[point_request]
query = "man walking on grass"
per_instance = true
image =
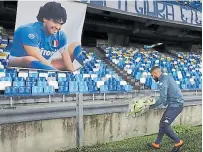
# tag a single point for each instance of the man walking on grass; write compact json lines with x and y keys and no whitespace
{"x":170,"y":95}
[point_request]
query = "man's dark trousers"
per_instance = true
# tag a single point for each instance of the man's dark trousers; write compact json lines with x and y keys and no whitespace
{"x":164,"y":127}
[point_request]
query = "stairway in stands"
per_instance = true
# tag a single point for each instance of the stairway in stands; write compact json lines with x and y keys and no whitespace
{"x":123,"y":74}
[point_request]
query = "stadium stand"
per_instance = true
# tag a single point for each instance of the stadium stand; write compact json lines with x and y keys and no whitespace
{"x":193,"y":4}
{"x":138,"y":62}
{"x":95,"y":76}
{"x":112,"y":77}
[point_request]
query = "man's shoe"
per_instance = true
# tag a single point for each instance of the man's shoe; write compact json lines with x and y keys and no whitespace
{"x":154,"y":145}
{"x":177,"y":146}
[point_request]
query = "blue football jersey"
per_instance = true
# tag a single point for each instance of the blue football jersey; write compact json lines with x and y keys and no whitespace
{"x":33,"y":34}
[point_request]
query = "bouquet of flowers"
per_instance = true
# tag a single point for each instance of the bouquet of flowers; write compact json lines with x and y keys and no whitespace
{"x":138,"y":106}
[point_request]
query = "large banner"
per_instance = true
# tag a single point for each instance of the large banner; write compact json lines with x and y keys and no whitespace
{"x":156,"y":9}
{"x":48,"y":35}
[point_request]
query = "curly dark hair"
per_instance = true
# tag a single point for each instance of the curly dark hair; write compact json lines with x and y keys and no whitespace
{"x":52,"y":10}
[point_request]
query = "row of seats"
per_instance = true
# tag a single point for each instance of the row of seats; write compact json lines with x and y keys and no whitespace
{"x":71,"y":87}
{"x":187,"y":55}
{"x":95,"y":76}
{"x":24,"y":91}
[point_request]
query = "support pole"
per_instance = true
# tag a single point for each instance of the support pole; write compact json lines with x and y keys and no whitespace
{"x":79,"y":121}
{"x":11,"y":101}
{"x":49,"y":98}
{"x":63,"y":98}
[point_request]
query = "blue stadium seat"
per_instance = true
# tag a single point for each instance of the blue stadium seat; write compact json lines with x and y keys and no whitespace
{"x":24,"y":90}
{"x":120,"y":87}
{"x":63,"y":83}
{"x":183,"y":86}
{"x":70,"y":75}
{"x":2,"y":70}
{"x":63,"y":89}
{"x":41,"y":79}
{"x":200,"y":86}
{"x":88,"y":79}
{"x":49,"y":90}
{"x":31,"y":79}
{"x":11,"y":71}
{"x":128,"y":88}
{"x":14,"y":91}
{"x":37,"y":90}
{"x":83,"y":87}
{"x":112,"y":87}
{"x":18,"y":83}
{"x":73,"y":87}
{"x":104,"y":89}
{"x":5,"y":79}
{"x":52,"y":75}
{"x":18,"y":79}
{"x":92,"y":88}
{"x":8,"y":91}
{"x":62,"y":79}
{"x":41,"y":83}
{"x":12,"y":75}
{"x":148,"y":82}
{"x":35,"y":75}
{"x":4,"y":63}
{"x":138,"y":75}
{"x":71,"y":79}
{"x":79,"y":77}
{"x":31,"y":83}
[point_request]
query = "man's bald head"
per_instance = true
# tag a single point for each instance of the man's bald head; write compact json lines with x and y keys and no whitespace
{"x":155,"y":68}
{"x":155,"y":72}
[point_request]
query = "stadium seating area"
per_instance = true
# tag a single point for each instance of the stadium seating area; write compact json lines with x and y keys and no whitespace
{"x":137,"y":63}
{"x":187,"y":55}
{"x":98,"y":77}
{"x":190,"y":3}
{"x":94,"y":77}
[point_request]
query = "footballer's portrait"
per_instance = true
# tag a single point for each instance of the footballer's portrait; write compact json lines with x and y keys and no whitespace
{"x":35,"y":44}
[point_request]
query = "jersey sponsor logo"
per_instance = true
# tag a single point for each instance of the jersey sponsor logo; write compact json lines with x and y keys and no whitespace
{"x":31,"y":36}
{"x":46,"y":52}
{"x":55,"y":43}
